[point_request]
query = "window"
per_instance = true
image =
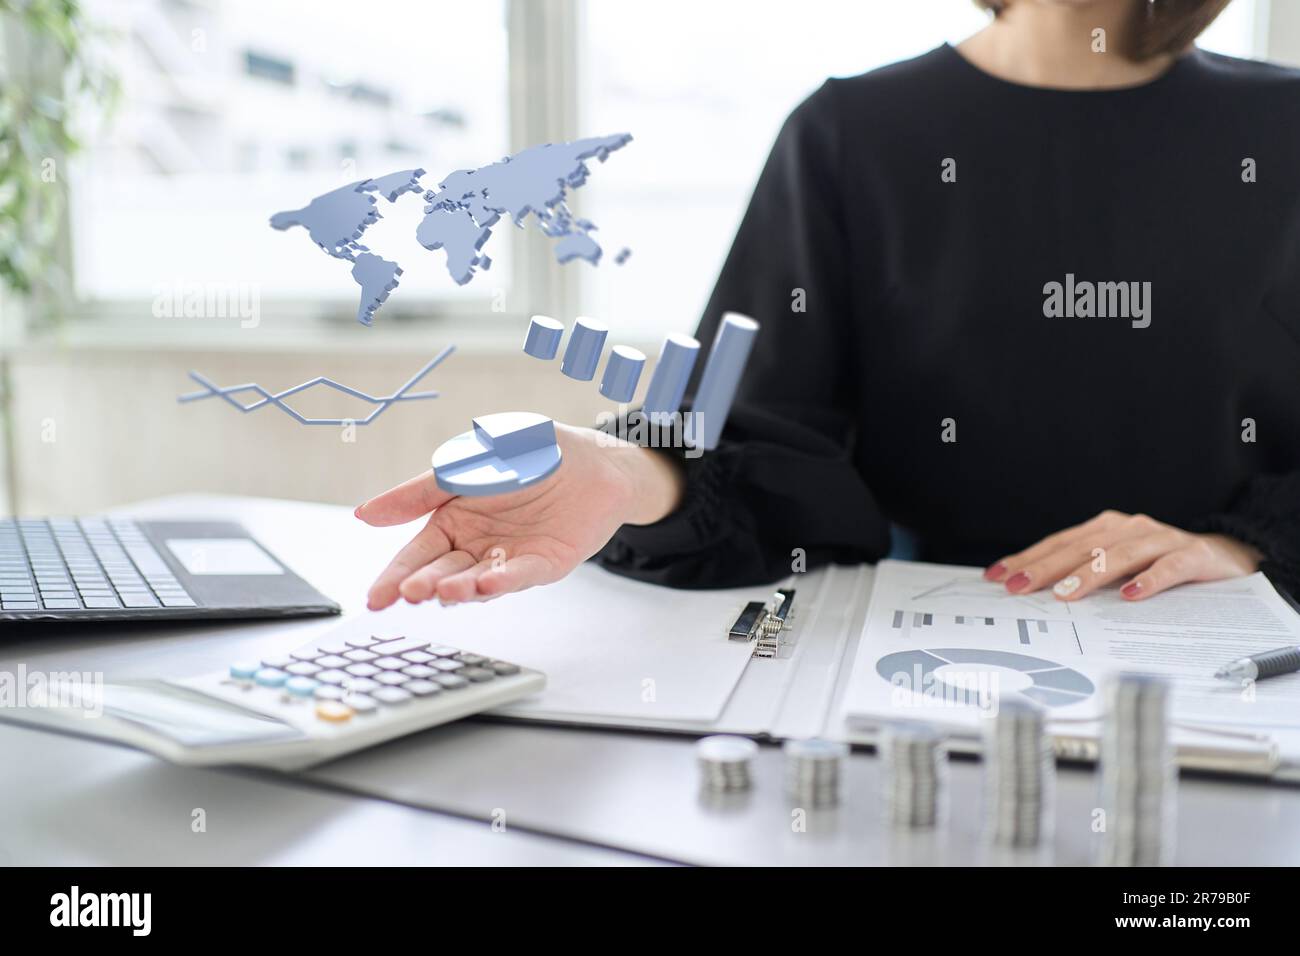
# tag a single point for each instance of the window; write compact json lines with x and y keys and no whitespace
{"x":233,"y":111}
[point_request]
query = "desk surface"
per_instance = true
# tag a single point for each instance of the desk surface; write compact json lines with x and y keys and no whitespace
{"x":569,"y":796}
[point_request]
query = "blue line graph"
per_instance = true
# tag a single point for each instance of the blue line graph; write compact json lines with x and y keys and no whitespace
{"x":403,"y":394}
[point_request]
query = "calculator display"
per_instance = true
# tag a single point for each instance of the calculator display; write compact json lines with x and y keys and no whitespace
{"x":190,"y":718}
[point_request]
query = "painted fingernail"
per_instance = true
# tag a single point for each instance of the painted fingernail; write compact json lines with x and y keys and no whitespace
{"x":1018,"y":581}
{"x":1067,"y":586}
{"x":1131,"y":590}
{"x":995,"y":571}
{"x":356,"y":512}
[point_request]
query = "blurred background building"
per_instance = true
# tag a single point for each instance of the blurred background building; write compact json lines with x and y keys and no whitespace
{"x":229,"y":110}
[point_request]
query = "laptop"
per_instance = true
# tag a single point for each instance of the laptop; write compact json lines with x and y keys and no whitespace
{"x":119,"y":569}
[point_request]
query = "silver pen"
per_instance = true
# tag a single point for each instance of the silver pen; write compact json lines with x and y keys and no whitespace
{"x":1284,"y":660}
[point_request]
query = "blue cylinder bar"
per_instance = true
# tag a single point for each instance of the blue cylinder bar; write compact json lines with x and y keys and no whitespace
{"x":543,"y":339}
{"x":720,"y":380}
{"x":621,"y":373}
{"x":672,"y":372}
{"x":583,"y":352}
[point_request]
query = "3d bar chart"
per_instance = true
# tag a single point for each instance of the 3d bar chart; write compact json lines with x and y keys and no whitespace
{"x":672,"y":372}
{"x":718,"y":382}
{"x":721,"y":378}
{"x":583,"y":352}
{"x":543,"y":339}
{"x":622,"y":373}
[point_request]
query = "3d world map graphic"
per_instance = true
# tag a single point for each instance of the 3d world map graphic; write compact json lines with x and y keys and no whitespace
{"x":460,"y":213}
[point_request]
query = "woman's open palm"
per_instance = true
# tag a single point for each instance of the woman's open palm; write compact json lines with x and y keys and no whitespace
{"x":479,"y":548}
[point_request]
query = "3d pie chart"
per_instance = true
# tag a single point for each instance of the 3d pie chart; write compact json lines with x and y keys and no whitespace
{"x":504,"y":452}
{"x":1041,"y":681}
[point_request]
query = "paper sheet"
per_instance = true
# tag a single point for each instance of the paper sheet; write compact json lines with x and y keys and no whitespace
{"x":941,"y":644}
{"x":609,"y":646}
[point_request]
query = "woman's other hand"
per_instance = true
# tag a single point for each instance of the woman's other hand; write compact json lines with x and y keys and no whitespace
{"x":474,"y":549}
{"x":1148,"y":555}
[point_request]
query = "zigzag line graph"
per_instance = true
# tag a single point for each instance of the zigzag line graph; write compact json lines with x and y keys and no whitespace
{"x":403,"y":394}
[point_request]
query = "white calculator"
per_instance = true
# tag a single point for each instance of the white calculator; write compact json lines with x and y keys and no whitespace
{"x":342,"y":693}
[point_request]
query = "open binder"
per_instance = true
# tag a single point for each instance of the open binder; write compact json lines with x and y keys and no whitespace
{"x":772,"y":663}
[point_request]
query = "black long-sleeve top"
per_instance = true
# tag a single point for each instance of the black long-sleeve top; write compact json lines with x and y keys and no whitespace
{"x":912,"y":368}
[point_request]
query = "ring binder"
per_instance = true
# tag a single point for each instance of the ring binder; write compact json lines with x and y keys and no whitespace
{"x":762,"y":623}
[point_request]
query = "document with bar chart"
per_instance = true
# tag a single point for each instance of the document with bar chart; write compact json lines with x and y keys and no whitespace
{"x":945,"y":646}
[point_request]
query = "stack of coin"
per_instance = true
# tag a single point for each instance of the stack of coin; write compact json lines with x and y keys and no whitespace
{"x":1138,"y":776}
{"x":724,"y":763}
{"x":914,"y":774}
{"x":1019,"y":775}
{"x":812,"y":771}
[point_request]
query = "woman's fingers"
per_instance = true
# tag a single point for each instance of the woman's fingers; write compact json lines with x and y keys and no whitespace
{"x":408,"y":501}
{"x":1192,"y":562}
{"x":1007,"y":567}
{"x":424,"y":583}
{"x":1122,"y":559}
{"x":523,"y":571}
{"x":430,"y":544}
{"x":493,"y":577}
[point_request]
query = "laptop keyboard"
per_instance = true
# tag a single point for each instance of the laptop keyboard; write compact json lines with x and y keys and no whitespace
{"x":68,"y":564}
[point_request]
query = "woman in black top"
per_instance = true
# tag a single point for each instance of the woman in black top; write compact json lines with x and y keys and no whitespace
{"x":1031,"y":302}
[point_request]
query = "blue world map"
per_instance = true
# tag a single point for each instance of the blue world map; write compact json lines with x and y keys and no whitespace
{"x":460,"y":213}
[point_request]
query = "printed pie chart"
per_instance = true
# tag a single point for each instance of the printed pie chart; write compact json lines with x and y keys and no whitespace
{"x":504,"y":452}
{"x":958,"y":669}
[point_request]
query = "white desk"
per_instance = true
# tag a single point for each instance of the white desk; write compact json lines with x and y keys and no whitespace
{"x":566,"y":792}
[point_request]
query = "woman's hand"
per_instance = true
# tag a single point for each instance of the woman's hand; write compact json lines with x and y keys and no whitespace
{"x":474,"y":549}
{"x":1150,"y":555}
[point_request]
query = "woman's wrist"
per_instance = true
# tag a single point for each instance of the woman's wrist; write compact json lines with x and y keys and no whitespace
{"x":656,"y":484}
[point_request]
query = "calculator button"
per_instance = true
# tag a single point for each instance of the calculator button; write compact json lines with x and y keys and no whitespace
{"x":270,"y":677}
{"x":362,"y":670}
{"x":473,"y":660}
{"x":362,"y":685}
{"x":442,"y":651}
{"x":401,"y":645}
{"x":392,"y":695}
{"x":333,"y":711}
{"x":447,"y":666}
{"x":361,"y":703}
{"x":366,"y":641}
{"x":391,"y":678}
{"x":325,"y":692}
{"x":417,"y":657}
{"x":331,"y":660}
{"x":390,"y":663}
{"x":451,"y":681}
{"x":300,"y":686}
{"x":421,"y":688}
{"x":333,"y":647}
{"x":305,"y":654}
{"x":302,"y":669}
{"x":504,"y":669}
{"x":276,"y":661}
{"x":419,"y":671}
{"x":331,"y":676}
{"x":477,"y":674}
{"x":360,"y":656}
{"x":244,"y":670}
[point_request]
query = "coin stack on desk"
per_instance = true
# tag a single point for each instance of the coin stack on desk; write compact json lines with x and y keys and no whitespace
{"x":915,"y":770}
{"x":1138,"y":776}
{"x":1019,"y":776}
{"x":724,"y":763}
{"x":812,"y":771}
